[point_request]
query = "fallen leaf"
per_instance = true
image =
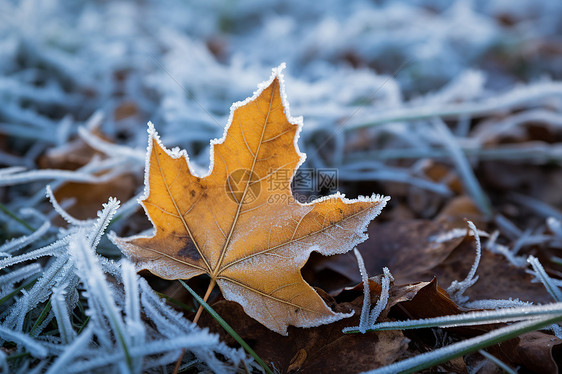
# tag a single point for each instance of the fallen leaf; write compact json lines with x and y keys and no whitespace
{"x":533,"y":351}
{"x":240,"y":224}
{"x":396,"y":244}
{"x":298,"y":360}
{"x":87,"y":197}
{"x":71,"y":155}
{"x":497,"y":277}
{"x":413,"y":300}
{"x":393,"y":244}
{"x":125,"y":110}
{"x":536,"y":350}
{"x":460,"y":209}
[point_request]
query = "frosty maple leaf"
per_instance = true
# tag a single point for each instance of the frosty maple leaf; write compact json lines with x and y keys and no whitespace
{"x":251,"y":238}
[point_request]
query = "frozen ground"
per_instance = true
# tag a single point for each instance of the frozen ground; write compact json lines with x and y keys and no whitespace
{"x":382,"y":86}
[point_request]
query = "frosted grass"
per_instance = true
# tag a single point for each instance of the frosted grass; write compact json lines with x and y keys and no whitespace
{"x":463,"y":167}
{"x":60,"y":310}
{"x":366,"y":307}
{"x":114,"y":338}
{"x":66,"y":71}
{"x":497,"y":362}
{"x":457,"y":288}
{"x":32,"y":346}
{"x":510,"y":314}
{"x":543,"y":277}
{"x":517,"y":97}
{"x":369,"y":316}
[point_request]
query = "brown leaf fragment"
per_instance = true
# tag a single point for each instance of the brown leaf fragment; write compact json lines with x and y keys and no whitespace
{"x":88,"y":197}
{"x":365,"y":352}
{"x":456,"y":365}
{"x":125,"y":110}
{"x":70,"y":156}
{"x":422,"y":300}
{"x":533,"y":352}
{"x":428,"y":300}
{"x":297,"y":361}
{"x":486,"y":366}
{"x":539,"y":352}
{"x":396,"y":244}
{"x":497,"y":277}
{"x":458,"y":211}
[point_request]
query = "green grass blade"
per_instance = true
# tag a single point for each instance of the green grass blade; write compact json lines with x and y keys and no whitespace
{"x":15,"y":356}
{"x":227,"y":328}
{"x":42,"y":316}
{"x":83,"y":325}
{"x":438,"y":356}
{"x":10,"y":214}
{"x":175,"y":302}
{"x":14,"y":292}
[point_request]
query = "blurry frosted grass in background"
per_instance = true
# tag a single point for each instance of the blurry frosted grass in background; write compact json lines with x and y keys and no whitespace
{"x":374,"y":81}
{"x":65,"y":60}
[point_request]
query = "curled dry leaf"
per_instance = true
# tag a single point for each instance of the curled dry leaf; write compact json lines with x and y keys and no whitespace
{"x":497,"y":278}
{"x":395,"y":244}
{"x":533,"y":352}
{"x":240,"y":224}
{"x":87,"y":197}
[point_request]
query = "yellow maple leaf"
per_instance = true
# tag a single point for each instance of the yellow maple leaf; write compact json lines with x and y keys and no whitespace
{"x":248,"y":234}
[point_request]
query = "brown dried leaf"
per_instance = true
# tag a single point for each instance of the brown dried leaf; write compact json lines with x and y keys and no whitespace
{"x":497,"y":278}
{"x":88,"y":197}
{"x":396,"y":244}
{"x":534,"y":351}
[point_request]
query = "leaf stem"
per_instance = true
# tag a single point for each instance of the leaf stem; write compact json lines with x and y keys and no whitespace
{"x":205,"y":298}
{"x":227,"y":328}
{"x":197,"y":316}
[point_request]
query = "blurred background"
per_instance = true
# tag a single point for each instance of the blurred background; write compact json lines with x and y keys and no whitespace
{"x":370,"y":79}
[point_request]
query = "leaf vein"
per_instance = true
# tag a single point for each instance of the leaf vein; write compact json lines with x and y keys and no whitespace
{"x":265,"y":294}
{"x":265,"y":251}
{"x":178,"y":211}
